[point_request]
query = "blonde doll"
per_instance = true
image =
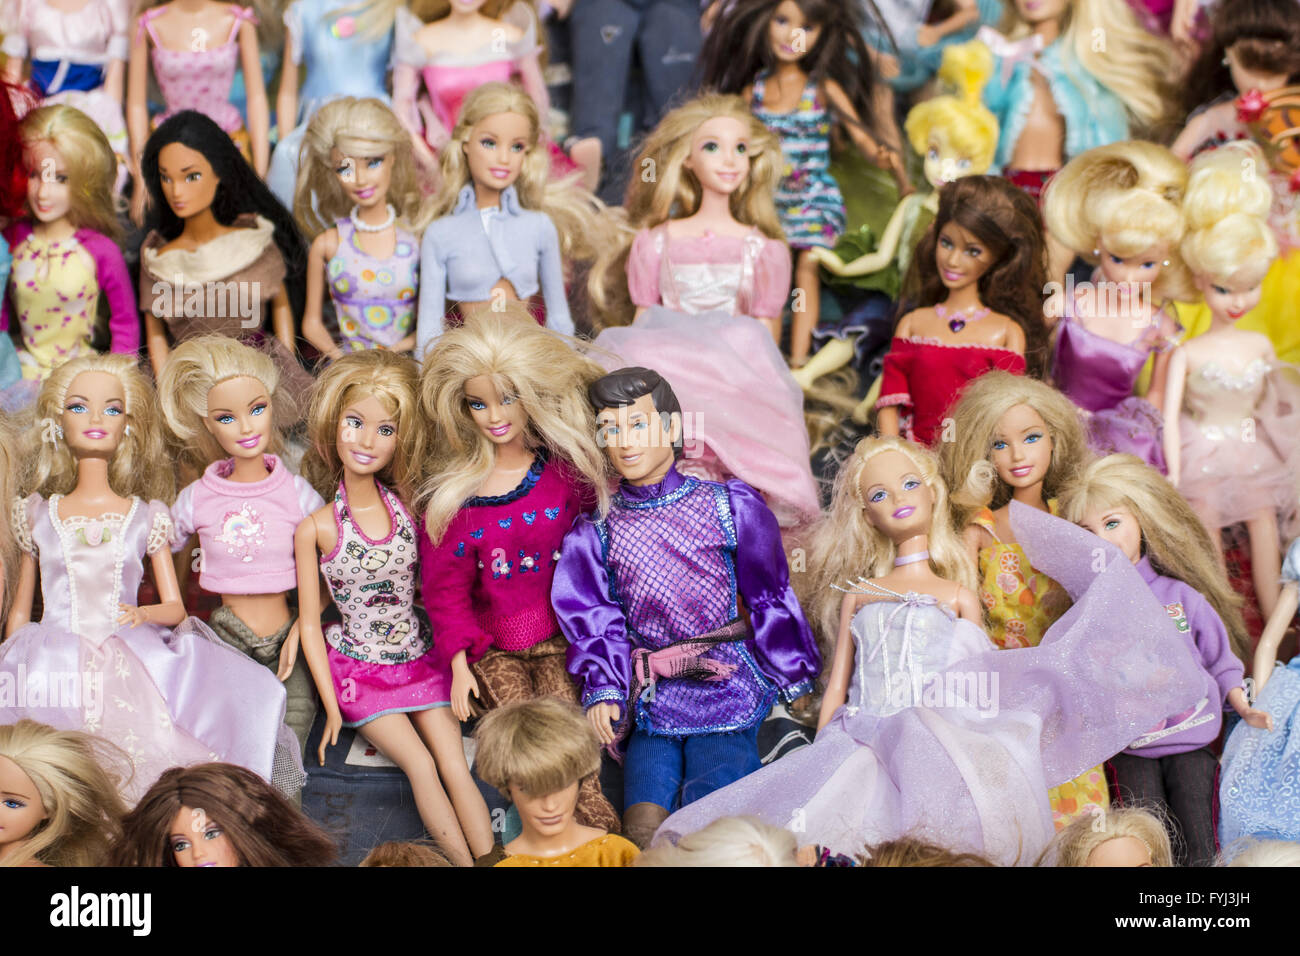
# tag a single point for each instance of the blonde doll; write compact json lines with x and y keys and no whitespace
{"x":378,"y":671}
{"x":61,"y":806}
{"x":1231,"y":406}
{"x":66,"y":255}
{"x":357,"y":196}
{"x":1120,"y":207}
{"x":1130,"y":836}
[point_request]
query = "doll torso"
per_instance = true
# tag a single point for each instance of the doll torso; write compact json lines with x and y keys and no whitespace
{"x":1219,"y":397}
{"x":55,"y":292}
{"x":199,"y":79}
{"x":339,"y":60}
{"x":1021,"y":603}
{"x":706,"y":273}
{"x":69,"y":51}
{"x":1096,"y":372}
{"x":375,"y":298}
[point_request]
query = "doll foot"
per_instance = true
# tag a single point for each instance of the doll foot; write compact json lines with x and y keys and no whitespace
{"x":804,"y":377}
{"x":641,"y":820}
{"x":862,"y":414}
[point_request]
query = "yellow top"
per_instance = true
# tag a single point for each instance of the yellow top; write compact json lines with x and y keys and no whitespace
{"x":607,"y":850}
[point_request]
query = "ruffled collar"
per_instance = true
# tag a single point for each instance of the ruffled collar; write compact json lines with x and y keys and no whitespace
{"x":467,"y":199}
{"x":670,"y":483}
{"x":218,"y":259}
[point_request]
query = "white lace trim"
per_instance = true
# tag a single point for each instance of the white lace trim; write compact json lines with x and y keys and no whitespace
{"x":159,"y":534}
{"x":18,"y":521}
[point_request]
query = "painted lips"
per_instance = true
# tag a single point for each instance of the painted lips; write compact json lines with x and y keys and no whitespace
{"x":1022,"y":470}
{"x":252,"y":442}
{"x":904,"y":512}
{"x":500,"y":430}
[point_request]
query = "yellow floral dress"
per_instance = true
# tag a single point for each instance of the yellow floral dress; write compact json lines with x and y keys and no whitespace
{"x":1021,"y":604}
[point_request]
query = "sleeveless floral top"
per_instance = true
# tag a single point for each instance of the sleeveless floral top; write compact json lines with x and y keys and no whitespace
{"x":1021,"y":603}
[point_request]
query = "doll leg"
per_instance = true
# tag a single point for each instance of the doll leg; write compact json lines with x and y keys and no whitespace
{"x":652,"y":780}
{"x":503,"y":677}
{"x":396,"y":736}
{"x":669,"y":44}
{"x":831,"y":357}
{"x":1189,"y":784}
{"x":807,"y":306}
{"x":441,"y":732}
{"x":715,"y":760}
{"x":602,"y":33}
{"x":1265,"y":560}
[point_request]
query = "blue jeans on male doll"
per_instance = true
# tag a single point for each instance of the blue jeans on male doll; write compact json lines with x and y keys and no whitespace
{"x":675,"y":771}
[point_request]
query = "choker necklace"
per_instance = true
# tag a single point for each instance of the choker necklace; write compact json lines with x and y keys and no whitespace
{"x":958,"y":323}
{"x":911,"y":558}
{"x":366,"y":227}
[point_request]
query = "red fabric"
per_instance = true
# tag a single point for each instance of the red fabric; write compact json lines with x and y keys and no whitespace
{"x":1031,"y":181}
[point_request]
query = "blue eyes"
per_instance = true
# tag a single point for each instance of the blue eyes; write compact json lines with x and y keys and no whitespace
{"x":258,"y":409}
{"x":374,"y":162}
{"x":14,"y":804}
{"x":113,"y":410}
{"x":225,"y":419}
{"x":909,"y":484}
{"x":1116,"y":260}
{"x":77,"y":408}
{"x":1032,"y":438}
{"x":475,"y":404}
{"x":999,"y":444}
{"x":878,"y":496}
{"x":1112,"y":524}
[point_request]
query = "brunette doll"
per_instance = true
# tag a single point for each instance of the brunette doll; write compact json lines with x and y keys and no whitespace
{"x":907,"y":745}
{"x":357,"y":196}
{"x":66,"y":255}
{"x":976,"y":284}
{"x":220,"y":403}
{"x":61,"y":806}
{"x":378,"y":670}
{"x":216,"y":814}
{"x":166,"y":697}
{"x":511,"y":464}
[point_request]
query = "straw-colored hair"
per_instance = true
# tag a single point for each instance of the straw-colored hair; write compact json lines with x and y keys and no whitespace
{"x":1073,"y":845}
{"x":1128,"y":198}
{"x":536,"y":366}
{"x":359,"y":128}
{"x":728,"y":841}
{"x":1256,"y":852}
{"x":404,"y":853}
{"x":74,"y":775}
{"x":965,"y":461}
{"x":541,"y":745}
{"x":1173,"y":537}
{"x":960,"y":121}
{"x":1226,"y":211}
{"x":89,"y":160}
{"x":133,"y":470}
{"x":10,"y":480}
{"x":909,"y":851}
{"x":391,"y":378}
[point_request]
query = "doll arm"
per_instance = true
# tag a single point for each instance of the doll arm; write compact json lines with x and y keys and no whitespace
{"x":837,"y":685}
{"x":322,"y":250}
{"x":1213,"y":646}
{"x":155,"y":334}
{"x":433,"y":293}
{"x":307,"y":559}
{"x":871,"y":262}
{"x":20,"y":611}
{"x":448,"y":572}
{"x":967,"y":13}
{"x":170,"y":609}
{"x":875,"y":151}
{"x":1274,"y":631}
{"x":14,"y":46}
{"x":286,"y":99}
{"x":259,"y":119}
{"x":551,"y":275}
{"x":1173,"y":407}
{"x":406,"y":86}
{"x":786,"y":650}
{"x":115,"y":282}
{"x":282,"y":319}
{"x":119,"y":48}
{"x":534,"y":84}
{"x":895,"y":387}
{"x":137,"y":105}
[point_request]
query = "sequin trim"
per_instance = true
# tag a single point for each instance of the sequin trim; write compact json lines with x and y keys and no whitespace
{"x":525,"y":486}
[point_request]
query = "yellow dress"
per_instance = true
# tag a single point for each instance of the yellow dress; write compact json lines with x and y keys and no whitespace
{"x":1277,"y":315}
{"x":1021,"y":605}
{"x":55,"y":292}
{"x":607,"y":850}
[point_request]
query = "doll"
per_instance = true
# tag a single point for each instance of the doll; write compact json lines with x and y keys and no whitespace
{"x":706,"y":255}
{"x":61,"y":806}
{"x":975,"y":282}
{"x":194,"y":47}
{"x":805,"y":69}
{"x":511,"y":463}
{"x":920,"y":34}
{"x":67,"y":254}
{"x":345,"y":49}
{"x":378,"y":671}
{"x":1264,"y":853}
{"x":1257,"y":796}
{"x":1016,"y":439}
{"x":1231,"y":407}
{"x":1130,"y":836}
{"x":1119,"y":206}
{"x":1124,"y":502}
{"x":166,"y":697}
{"x":537,"y":753}
{"x":658,"y":641}
{"x":908,"y":743}
{"x":956,"y":135}
{"x":217,"y":814}
{"x":358,"y":158}
{"x":220,"y":250}
{"x":728,"y":841}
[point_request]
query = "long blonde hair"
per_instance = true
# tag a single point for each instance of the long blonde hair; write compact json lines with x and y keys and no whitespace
{"x":727,"y":841}
{"x":89,"y":159}
{"x":1173,"y":537}
{"x":536,"y":366}
{"x":10,"y":481}
{"x":662,"y":188}
{"x":356,"y":127}
{"x":391,"y":378}
{"x":1127,"y":197}
{"x":1226,"y":211}
{"x":1076,"y":843}
{"x":959,"y":120}
{"x":74,"y":775}
{"x":134,"y":468}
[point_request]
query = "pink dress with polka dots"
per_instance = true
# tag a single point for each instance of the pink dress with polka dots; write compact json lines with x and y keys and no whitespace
{"x":198,"y":79}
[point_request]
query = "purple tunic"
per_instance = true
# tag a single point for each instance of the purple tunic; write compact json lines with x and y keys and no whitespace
{"x":668,"y":563}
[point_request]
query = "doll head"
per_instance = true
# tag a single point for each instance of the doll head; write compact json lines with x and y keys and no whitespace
{"x":536,"y":753}
{"x":956,"y":134}
{"x":1124,"y":500}
{"x":508,"y":116}
{"x":218,"y":814}
{"x":364,"y":406}
{"x":355,"y":152}
{"x":532,"y":376}
{"x":909,"y":852}
{"x":245,"y":405}
{"x":404,"y":853}
{"x":1127,"y":836}
{"x":118,"y":421}
{"x":1120,"y":206}
{"x":70,"y":170}
{"x":59,"y":803}
{"x":638,"y":423}
{"x":1254,"y":45}
{"x":997,"y":402}
{"x":727,"y":841}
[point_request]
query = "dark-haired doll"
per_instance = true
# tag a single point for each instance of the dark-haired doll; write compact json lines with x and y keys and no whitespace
{"x":975,"y":291}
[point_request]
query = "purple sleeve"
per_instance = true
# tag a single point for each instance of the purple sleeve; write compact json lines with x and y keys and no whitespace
{"x":599,"y":656}
{"x":772,"y":275}
{"x":115,"y":283}
{"x":643,"y":270}
{"x":1213,"y":645}
{"x":787,"y":653}
{"x":447,"y":575}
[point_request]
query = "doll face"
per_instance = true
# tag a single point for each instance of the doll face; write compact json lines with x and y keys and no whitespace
{"x":896,"y":497}
{"x":364,"y":178}
{"x":1246,"y":79}
{"x":1118,"y":526}
{"x":960,"y":257}
{"x":195,"y":839}
{"x":1232,"y":299}
{"x":239,"y":417}
{"x":546,"y":815}
{"x":719,"y":155}
{"x":1132,"y":274}
{"x":94,"y":415}
{"x":21,"y":810}
{"x":943,"y":164}
{"x":367,"y":438}
{"x":791,"y":36}
{"x":188,"y":183}
{"x":1038,"y":11}
{"x":1021,"y":447}
{"x":1121,"y":851}
{"x":499,"y":417}
{"x":636,"y":441}
{"x":496,"y":148}
{"x":49,"y":195}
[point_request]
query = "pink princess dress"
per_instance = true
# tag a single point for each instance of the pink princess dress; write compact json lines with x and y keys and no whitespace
{"x":166,"y":697}
{"x":743,"y":411}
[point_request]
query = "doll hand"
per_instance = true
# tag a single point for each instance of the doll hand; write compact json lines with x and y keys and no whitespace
{"x":463,"y":686}
{"x":330,"y":735}
{"x":1260,"y":719}
{"x":131,"y":615}
{"x":828,"y":260}
{"x":436,"y":137}
{"x":807,"y":855}
{"x":801,"y":709}
{"x":927,"y":35}
{"x":602,"y":717}
{"x":288,"y":654}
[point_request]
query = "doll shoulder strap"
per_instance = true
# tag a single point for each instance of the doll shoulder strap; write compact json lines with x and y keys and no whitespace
{"x":242,"y":15}
{"x":146,"y":24}
{"x":984,"y":519}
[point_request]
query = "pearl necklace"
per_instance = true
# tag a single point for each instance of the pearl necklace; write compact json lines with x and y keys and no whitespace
{"x":366,"y":227}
